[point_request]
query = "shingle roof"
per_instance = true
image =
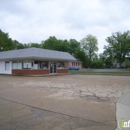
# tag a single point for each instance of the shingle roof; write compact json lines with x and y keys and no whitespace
{"x":35,"y":53}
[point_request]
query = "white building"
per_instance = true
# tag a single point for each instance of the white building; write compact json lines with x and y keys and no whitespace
{"x":35,"y":61}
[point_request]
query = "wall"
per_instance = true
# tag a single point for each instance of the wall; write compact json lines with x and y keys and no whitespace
{"x":37,"y":72}
{"x":2,"y":68}
{"x":61,"y":71}
{"x":30,"y":72}
{"x":69,"y":64}
{"x":78,"y":64}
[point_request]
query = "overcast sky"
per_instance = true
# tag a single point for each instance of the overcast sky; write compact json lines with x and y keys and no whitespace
{"x":36,"y":20}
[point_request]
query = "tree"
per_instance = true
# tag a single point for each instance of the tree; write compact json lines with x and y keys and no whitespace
{"x":6,"y":43}
{"x":107,"y":57}
{"x":81,"y":55}
{"x":127,"y":63}
{"x":73,"y":46}
{"x":98,"y":63}
{"x":37,"y":45}
{"x":18,"y":45}
{"x":119,"y":45}
{"x":63,"y":45}
{"x":50,"y":43}
{"x":53,"y":43}
{"x":90,"y":45}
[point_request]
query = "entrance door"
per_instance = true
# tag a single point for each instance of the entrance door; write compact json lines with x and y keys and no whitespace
{"x":53,"y":67}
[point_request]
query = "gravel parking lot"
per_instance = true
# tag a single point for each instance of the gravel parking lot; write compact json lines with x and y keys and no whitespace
{"x":68,"y":102}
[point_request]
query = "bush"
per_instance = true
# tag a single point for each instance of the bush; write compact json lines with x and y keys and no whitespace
{"x":98,"y":64}
{"x":127,"y":63}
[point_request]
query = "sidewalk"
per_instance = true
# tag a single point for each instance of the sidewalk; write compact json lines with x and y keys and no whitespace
{"x":123,"y":112}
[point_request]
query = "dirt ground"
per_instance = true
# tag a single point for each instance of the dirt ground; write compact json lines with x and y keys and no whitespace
{"x":68,"y":102}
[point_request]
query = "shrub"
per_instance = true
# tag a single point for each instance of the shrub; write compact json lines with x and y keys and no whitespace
{"x":127,"y":63}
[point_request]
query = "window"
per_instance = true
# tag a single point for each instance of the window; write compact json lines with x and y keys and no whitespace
{"x":27,"y":65}
{"x":14,"y":65}
{"x":61,"y":65}
{"x":17,"y":65}
{"x":41,"y":64}
{"x":7,"y":65}
{"x":44,"y":65}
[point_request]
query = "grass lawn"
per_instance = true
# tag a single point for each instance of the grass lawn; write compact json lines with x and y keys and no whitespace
{"x":100,"y":73}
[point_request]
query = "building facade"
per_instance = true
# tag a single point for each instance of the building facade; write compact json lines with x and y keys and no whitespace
{"x":34,"y":61}
{"x":75,"y":63}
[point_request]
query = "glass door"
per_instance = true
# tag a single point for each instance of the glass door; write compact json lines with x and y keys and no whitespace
{"x":53,"y":67}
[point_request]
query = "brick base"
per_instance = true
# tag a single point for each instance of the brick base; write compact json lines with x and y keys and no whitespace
{"x":62,"y":71}
{"x":37,"y":72}
{"x":30,"y":72}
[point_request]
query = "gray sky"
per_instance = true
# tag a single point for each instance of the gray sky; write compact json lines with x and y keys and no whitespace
{"x":36,"y":20}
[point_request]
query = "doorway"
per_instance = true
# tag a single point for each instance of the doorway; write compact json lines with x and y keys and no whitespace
{"x":53,"y":67}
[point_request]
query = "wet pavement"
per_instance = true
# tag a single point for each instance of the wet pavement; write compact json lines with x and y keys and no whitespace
{"x":70,"y":102}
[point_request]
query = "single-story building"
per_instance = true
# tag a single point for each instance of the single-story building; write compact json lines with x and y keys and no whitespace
{"x":35,"y":61}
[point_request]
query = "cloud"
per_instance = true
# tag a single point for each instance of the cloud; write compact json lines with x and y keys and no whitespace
{"x":36,"y":20}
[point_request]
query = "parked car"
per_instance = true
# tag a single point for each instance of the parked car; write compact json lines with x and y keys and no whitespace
{"x":73,"y":68}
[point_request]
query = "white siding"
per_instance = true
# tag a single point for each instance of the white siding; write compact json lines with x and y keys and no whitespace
{"x":2,"y":68}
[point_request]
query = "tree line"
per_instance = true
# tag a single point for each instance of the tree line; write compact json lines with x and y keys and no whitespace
{"x":117,"y":50}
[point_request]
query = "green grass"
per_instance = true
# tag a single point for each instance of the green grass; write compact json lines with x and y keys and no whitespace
{"x":100,"y":73}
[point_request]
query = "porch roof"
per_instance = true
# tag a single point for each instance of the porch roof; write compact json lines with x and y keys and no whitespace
{"x":36,"y":53}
